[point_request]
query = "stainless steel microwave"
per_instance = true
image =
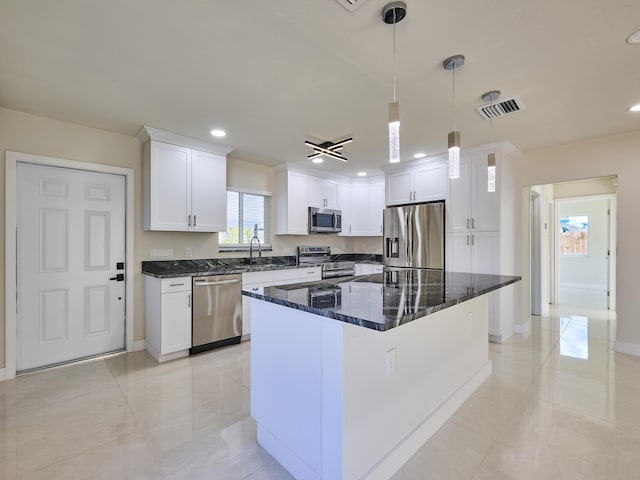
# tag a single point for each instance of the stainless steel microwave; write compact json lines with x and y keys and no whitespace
{"x":324,"y":220}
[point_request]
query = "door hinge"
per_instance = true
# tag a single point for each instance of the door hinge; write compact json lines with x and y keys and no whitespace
{"x":608,"y":293}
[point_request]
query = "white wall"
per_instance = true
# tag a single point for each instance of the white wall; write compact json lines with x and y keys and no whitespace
{"x":616,"y":155}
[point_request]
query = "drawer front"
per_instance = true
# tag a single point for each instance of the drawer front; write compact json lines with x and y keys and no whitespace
{"x":271,"y":277}
{"x":179,"y":284}
{"x":309,"y":273}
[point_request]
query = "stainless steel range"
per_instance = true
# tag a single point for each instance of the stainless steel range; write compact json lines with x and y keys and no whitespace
{"x":322,"y":256}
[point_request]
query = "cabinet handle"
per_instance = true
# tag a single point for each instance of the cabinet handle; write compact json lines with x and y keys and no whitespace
{"x":189,"y":221}
{"x":467,"y":240}
{"x":473,"y":240}
{"x":414,"y":195}
{"x":194,"y":220}
{"x":176,"y":284}
{"x":189,"y":300}
{"x":473,"y":223}
{"x":467,"y":224}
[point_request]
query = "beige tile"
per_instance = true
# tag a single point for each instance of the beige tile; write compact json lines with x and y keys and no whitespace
{"x":128,"y":457}
{"x":27,"y":392}
{"x":454,"y":452}
{"x":57,"y":432}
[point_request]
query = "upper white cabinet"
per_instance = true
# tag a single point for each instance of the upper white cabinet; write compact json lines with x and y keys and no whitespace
{"x":366,"y":204}
{"x":323,"y":193}
{"x":471,"y":206}
{"x":184,"y":183}
{"x":292,"y":213}
{"x":481,"y":228}
{"x":423,"y":182}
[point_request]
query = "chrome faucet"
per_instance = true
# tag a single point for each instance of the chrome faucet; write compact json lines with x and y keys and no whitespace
{"x":255,"y":237}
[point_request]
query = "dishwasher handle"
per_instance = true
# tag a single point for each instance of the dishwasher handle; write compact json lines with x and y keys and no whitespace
{"x":220,"y":282}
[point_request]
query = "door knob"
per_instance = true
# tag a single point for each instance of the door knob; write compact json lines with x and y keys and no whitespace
{"x":118,"y":278}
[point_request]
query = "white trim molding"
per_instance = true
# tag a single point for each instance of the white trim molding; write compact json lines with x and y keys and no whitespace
{"x":628,"y":348}
{"x":11,"y":161}
{"x":147,"y":133}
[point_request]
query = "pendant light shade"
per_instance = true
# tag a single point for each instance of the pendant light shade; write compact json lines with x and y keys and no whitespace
{"x":454,"y":154}
{"x":491,"y":96}
{"x":392,"y":13}
{"x":394,"y":132}
{"x":452,"y":63}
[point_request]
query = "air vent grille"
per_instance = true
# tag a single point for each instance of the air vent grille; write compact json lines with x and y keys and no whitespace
{"x":351,"y":5}
{"x":501,"y":108}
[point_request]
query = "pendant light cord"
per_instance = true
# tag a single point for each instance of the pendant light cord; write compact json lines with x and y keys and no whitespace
{"x":453,"y":99}
{"x":394,"y":55}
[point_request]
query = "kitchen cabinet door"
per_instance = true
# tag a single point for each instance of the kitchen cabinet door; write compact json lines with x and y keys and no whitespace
{"x":459,"y":214}
{"x":399,"y":189}
{"x":377,"y":208}
{"x":175,"y":322}
{"x":292,"y":212}
{"x":430,"y":183}
{"x":323,"y":193}
{"x":360,"y":206}
{"x":208,"y":192}
{"x":168,"y":173}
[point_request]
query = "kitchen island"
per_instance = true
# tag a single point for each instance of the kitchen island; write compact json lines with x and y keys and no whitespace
{"x":349,"y":377}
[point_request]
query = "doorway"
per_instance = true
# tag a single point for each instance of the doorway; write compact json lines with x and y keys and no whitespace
{"x":584,"y":274}
{"x":85,"y":307}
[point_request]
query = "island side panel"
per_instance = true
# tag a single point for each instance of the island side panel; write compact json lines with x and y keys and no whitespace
{"x":440,"y":359}
{"x":296,"y":389}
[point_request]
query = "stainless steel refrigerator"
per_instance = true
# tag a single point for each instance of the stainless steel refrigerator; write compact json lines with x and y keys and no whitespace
{"x":414,"y":236}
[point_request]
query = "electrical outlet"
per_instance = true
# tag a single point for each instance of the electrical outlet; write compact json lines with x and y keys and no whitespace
{"x":161,"y":254}
{"x":390,"y":361}
{"x":188,"y":252}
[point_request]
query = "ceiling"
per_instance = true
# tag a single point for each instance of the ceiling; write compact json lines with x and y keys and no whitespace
{"x":276,"y":73}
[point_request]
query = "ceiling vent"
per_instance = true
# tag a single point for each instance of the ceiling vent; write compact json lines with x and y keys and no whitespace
{"x":351,"y":5}
{"x":501,"y":108}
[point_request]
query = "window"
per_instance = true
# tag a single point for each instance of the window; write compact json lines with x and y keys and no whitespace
{"x":246,"y":211}
{"x":574,"y":235}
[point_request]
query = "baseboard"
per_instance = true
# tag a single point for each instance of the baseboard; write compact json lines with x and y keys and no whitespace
{"x":3,"y":374}
{"x":138,"y":345}
{"x":628,"y":348}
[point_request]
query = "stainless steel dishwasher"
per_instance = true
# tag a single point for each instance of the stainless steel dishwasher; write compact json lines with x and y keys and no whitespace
{"x":217,"y":312}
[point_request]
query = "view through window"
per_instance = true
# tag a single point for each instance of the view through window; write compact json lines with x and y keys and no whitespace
{"x":574,"y":235}
{"x":246,"y":211}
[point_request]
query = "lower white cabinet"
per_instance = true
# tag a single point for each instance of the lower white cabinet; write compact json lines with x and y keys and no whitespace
{"x":167,"y":317}
{"x":368,"y":268}
{"x":256,"y":281}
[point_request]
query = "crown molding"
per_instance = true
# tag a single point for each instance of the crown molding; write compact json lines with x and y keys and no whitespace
{"x":148,"y":133}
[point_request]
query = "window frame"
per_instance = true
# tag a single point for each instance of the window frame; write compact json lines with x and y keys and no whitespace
{"x":267,"y":246}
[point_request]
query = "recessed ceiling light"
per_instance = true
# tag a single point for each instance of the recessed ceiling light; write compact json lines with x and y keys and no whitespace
{"x":318,"y":160}
{"x":635,"y":108}
{"x":216,"y":132}
{"x":419,"y":155}
{"x":634,"y":38}
{"x":362,"y":174}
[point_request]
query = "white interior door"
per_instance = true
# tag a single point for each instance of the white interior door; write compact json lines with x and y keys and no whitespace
{"x":70,"y":237}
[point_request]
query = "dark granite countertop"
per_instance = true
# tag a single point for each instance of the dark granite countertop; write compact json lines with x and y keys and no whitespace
{"x":229,"y":266}
{"x":215,"y":266}
{"x":383,"y":300}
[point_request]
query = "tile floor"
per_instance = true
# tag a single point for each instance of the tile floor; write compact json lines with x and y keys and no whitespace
{"x":559,"y":405}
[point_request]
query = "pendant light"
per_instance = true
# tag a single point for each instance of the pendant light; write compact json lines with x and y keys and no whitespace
{"x":452,"y":63}
{"x":392,"y":13}
{"x":491,"y":96}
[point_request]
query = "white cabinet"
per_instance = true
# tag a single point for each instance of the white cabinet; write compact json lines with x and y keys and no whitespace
{"x":323,"y":193}
{"x":481,"y":228}
{"x":368,"y":268}
{"x":471,"y":206}
{"x":292,"y":213}
{"x":184,"y":188}
{"x":257,"y":281}
{"x":366,"y":204}
{"x":167,"y":317}
{"x":417,"y":184}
